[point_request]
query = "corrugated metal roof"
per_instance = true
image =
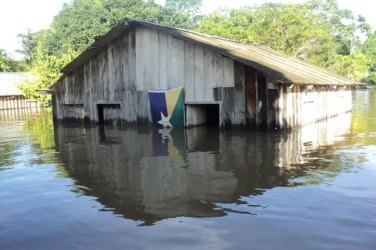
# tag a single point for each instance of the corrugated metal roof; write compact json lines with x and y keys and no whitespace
{"x":9,"y":82}
{"x":282,"y":67}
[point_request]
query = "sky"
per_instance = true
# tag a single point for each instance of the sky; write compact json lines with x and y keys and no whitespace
{"x":17,"y":16}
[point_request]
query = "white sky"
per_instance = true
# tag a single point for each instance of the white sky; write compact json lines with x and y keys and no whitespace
{"x":16,"y":16}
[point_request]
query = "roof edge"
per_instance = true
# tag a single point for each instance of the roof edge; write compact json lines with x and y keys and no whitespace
{"x":97,"y":46}
{"x":128,"y":23}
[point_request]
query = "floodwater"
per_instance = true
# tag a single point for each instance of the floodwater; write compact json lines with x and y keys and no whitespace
{"x":72,"y":187}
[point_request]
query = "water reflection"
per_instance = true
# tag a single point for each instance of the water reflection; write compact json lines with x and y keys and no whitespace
{"x":148,"y":175}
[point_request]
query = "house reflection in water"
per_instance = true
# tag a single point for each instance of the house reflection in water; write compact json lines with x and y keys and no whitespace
{"x":148,"y":175}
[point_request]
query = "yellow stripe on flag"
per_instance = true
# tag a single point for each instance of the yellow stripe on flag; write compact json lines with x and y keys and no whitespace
{"x":171,"y":99}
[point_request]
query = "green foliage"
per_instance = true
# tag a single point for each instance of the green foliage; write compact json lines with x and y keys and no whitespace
{"x":29,"y":45}
{"x":295,"y":30}
{"x":318,"y":31}
{"x":190,"y":6}
{"x":369,"y":49}
{"x":292,"y":29}
{"x":79,"y":24}
{"x":7,"y":64}
{"x":354,"y":66}
{"x":346,"y":27}
{"x":235,"y":24}
{"x":46,"y":68}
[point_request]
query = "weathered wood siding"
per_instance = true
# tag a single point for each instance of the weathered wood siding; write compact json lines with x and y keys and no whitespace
{"x":145,"y":59}
{"x":107,"y":78}
{"x":165,"y":62}
{"x":17,"y":108}
{"x":17,"y":102}
{"x":301,"y":104}
{"x":280,"y":106}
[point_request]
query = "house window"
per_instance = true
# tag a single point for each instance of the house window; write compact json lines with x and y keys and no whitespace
{"x":108,"y":112}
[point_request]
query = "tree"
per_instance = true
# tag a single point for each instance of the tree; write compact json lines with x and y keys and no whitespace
{"x":319,"y":32}
{"x":354,"y":66}
{"x":295,"y":30}
{"x":346,"y":27}
{"x":292,"y":29}
{"x":29,"y":45}
{"x":190,"y":6}
{"x":235,"y":24}
{"x":369,"y":49}
{"x":80,"y":23}
{"x":8,"y":64}
{"x":46,"y":68}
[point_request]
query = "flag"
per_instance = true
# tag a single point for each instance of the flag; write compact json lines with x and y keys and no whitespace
{"x":167,"y":107}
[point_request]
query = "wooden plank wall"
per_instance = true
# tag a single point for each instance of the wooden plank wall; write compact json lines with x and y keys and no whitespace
{"x":145,"y":59}
{"x":166,"y":62}
{"x":17,"y":102}
{"x":302,"y":104}
{"x":280,"y":106}
{"x":73,"y":111}
{"x":107,"y":78}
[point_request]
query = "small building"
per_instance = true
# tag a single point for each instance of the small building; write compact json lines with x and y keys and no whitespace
{"x":224,"y":83}
{"x":11,"y":97}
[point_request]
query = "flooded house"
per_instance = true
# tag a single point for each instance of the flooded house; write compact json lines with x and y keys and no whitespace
{"x":144,"y":73}
{"x":13,"y":103}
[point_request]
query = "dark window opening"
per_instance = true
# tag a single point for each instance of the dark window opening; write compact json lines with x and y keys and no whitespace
{"x":202,"y":114}
{"x":100,"y":114}
{"x":108,"y":113}
{"x":212,"y":115}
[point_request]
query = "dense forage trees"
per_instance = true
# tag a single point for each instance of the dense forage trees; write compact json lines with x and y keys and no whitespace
{"x":318,"y":31}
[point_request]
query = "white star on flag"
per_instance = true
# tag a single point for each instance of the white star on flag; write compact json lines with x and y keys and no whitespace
{"x":165,"y":121}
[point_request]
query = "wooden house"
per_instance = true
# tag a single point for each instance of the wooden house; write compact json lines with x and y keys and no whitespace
{"x":11,"y":97}
{"x":225,"y":83}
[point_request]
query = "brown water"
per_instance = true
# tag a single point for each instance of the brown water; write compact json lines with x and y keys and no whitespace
{"x":71,"y":187}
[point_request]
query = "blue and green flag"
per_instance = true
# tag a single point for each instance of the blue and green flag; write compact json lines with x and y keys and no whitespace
{"x":167,"y":107}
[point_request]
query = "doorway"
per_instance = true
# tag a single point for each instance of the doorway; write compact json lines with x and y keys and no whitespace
{"x":202,"y":114}
{"x":108,"y":113}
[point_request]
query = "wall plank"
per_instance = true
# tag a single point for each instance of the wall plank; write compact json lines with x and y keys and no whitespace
{"x":163,"y":60}
{"x":239,"y":94}
{"x":198,"y":53}
{"x":189,"y":72}
{"x":176,"y":63}
{"x":208,"y":75}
